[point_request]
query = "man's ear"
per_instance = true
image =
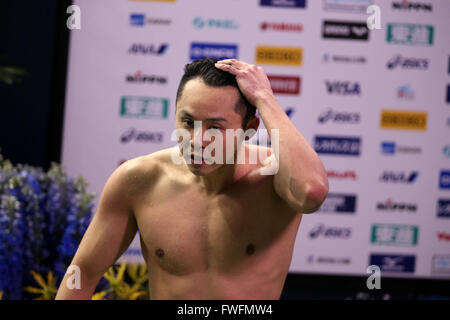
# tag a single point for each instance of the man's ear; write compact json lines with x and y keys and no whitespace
{"x":253,"y":123}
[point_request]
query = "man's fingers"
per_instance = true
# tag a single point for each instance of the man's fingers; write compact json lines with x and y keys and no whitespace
{"x":227,"y":67}
{"x":234,"y":62}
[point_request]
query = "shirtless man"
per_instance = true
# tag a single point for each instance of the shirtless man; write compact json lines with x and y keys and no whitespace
{"x":208,"y":231}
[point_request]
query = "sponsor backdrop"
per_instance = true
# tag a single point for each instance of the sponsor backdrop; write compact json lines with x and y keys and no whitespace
{"x":375,"y":105}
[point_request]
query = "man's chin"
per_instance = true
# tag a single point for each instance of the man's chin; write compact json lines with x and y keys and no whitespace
{"x":202,"y":169}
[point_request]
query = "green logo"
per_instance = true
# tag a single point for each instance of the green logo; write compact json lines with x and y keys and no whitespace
{"x":143,"y":107}
{"x":395,"y":234}
{"x":407,"y":33}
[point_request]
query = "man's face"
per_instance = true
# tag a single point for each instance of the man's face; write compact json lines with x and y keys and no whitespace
{"x":215,"y":107}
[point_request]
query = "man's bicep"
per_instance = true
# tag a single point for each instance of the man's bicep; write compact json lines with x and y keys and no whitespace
{"x":111,"y":230}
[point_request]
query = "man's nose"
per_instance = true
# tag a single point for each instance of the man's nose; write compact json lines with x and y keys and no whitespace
{"x":197,"y":139}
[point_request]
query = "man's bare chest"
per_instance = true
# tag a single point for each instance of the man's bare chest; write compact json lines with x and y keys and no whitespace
{"x":183,"y":230}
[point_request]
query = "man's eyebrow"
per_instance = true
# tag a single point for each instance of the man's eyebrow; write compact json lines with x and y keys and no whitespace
{"x":187,"y":114}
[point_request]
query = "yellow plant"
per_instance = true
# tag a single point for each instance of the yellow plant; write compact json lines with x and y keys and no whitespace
{"x":47,"y":290}
{"x":99,"y":295}
{"x":1,"y":295}
{"x":121,"y":289}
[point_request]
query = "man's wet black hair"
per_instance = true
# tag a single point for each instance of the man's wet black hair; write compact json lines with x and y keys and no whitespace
{"x":211,"y":76}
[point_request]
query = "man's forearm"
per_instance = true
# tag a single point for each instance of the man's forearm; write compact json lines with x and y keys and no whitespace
{"x":69,"y":291}
{"x":301,"y":178}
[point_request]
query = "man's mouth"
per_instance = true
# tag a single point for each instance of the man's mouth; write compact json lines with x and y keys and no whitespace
{"x":198,"y":159}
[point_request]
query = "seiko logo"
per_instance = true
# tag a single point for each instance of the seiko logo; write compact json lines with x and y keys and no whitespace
{"x":389,"y":205}
{"x":141,"y":136}
{"x":344,"y":88}
{"x":407,"y":63}
{"x":330,"y":232}
{"x":399,"y":177}
{"x":345,"y":30}
{"x":339,"y":117}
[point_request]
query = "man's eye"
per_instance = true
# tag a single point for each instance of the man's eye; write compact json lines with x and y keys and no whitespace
{"x":214,"y":128}
{"x":188,"y":122}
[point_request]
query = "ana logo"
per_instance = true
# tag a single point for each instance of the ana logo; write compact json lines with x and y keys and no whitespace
{"x":407,"y":63}
{"x":443,"y":236}
{"x":359,"y":6}
{"x":394,"y":262}
{"x":395,"y":234}
{"x":144,"y":49}
{"x":332,"y":145}
{"x":348,"y":174}
{"x":225,"y":24}
{"x":213,"y":50}
{"x":285,"y":84}
{"x":444,"y":179}
{"x":339,"y":117}
{"x":440,"y":263}
{"x":412,"y":34}
{"x":345,"y":30}
{"x":343,"y":59}
{"x":143,"y":107}
{"x":443,"y":208}
{"x":403,"y":120}
{"x":141,"y":136}
{"x":330,"y":232}
{"x":339,"y":203}
{"x":412,"y":6}
{"x":281,"y":26}
{"x":399,"y":177}
{"x":343,"y":88}
{"x":285,"y":56}
{"x":405,"y":92}
{"x":389,"y":205}
{"x":284,"y":3}
{"x":139,"y":77}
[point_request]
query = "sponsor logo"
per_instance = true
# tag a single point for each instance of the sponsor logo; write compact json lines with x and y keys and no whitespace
{"x":336,"y":58}
{"x":154,"y":0}
{"x":391,"y":148}
{"x":328,"y":260}
{"x":405,"y":92}
{"x":448,"y":93}
{"x":407,"y":63}
{"x":443,"y":236}
{"x":389,"y":205}
{"x":412,"y":34}
{"x":394,"y":262}
{"x":285,"y":84}
{"x":132,"y":134}
{"x":151,"y":49}
{"x":321,"y":230}
{"x":281,"y":26}
{"x":394,"y":234}
{"x":143,"y":107}
{"x":404,"y":120}
{"x":332,"y":145}
{"x":446,"y":150}
{"x":339,"y":117}
{"x":399,"y":177}
{"x":224,"y":24}
{"x":140,"y":20}
{"x":443,"y":208}
{"x":213,"y":50}
{"x":339,"y":203}
{"x":348,"y":174}
{"x":412,"y":6}
{"x":440,"y":263}
{"x":345,"y":30}
{"x":358,"y":6}
{"x":289,"y":56}
{"x":139,"y":77}
{"x":444,"y":179}
{"x":343,"y":88}
{"x":284,"y":3}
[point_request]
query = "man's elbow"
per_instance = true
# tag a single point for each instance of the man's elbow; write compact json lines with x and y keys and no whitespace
{"x":316,"y":194}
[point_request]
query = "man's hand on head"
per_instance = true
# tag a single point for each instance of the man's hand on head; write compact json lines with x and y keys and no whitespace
{"x":251,"y":79}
